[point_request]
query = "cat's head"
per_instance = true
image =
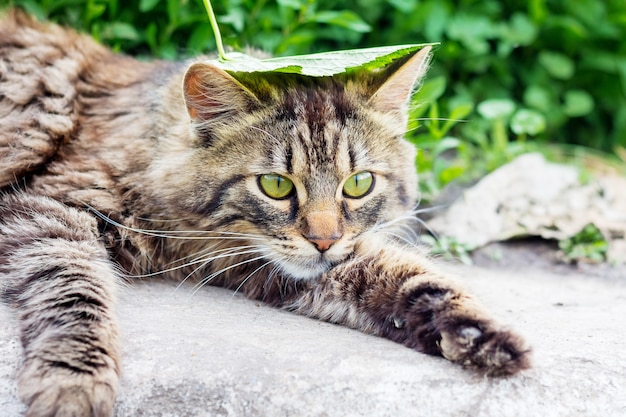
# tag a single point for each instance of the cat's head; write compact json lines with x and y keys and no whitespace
{"x":308,"y":165}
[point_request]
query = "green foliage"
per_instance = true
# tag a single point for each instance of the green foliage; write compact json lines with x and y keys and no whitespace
{"x":448,"y":248}
{"x":507,"y":77}
{"x":587,"y":245}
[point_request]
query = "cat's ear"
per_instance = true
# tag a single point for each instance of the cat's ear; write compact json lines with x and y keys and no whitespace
{"x":211,"y":94}
{"x":394,"y":94}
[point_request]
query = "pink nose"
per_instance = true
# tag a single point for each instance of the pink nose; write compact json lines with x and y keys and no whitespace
{"x":322,"y":245}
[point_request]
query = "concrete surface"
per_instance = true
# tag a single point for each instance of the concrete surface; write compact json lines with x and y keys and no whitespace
{"x":215,"y":354}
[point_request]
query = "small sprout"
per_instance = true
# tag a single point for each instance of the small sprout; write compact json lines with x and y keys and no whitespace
{"x":449,"y":248}
{"x":587,"y":245}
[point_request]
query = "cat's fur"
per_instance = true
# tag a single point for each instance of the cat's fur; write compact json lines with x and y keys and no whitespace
{"x":110,"y":166}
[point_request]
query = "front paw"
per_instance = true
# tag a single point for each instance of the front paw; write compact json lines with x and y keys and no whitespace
{"x":62,"y":392}
{"x":483,"y":347}
{"x":441,"y":319}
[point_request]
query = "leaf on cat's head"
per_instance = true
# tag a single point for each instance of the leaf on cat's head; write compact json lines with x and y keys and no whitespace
{"x":322,"y":64}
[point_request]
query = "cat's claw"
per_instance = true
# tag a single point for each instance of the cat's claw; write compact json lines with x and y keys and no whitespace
{"x":492,"y":351}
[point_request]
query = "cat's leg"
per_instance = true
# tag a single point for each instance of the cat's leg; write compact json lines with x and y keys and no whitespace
{"x":397,"y":293}
{"x":57,"y":275}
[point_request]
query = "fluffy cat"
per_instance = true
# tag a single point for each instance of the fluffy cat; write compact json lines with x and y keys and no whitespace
{"x":292,"y":190}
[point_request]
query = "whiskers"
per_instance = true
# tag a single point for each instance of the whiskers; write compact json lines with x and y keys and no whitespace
{"x":406,"y":228}
{"x":215,"y":251}
{"x":207,"y":280}
{"x":179,"y":234}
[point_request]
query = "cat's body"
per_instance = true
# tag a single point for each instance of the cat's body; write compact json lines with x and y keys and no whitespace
{"x":292,"y":191}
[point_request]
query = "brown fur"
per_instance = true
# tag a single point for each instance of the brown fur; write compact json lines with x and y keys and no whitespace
{"x":111,"y":166}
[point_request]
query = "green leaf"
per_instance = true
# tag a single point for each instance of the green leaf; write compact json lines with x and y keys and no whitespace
{"x":345,"y":18}
{"x":457,"y":115}
{"x":496,"y":108}
{"x":236,"y":17}
{"x":588,"y":245}
{"x":578,"y":103}
{"x":150,"y":36}
{"x":201,"y":39}
{"x":473,"y":31}
{"x":461,"y":111}
{"x":528,"y":122}
{"x":451,"y":173}
{"x":521,"y":30}
{"x":405,"y":6}
{"x":167,"y":51}
{"x":173,"y":8}
{"x":147,"y":5}
{"x":558,"y":65}
{"x":292,"y":4}
{"x":94,"y":11}
{"x":445,"y":144}
{"x":538,"y":97}
{"x":120,"y":30}
{"x":322,"y":64}
{"x":431,"y":90}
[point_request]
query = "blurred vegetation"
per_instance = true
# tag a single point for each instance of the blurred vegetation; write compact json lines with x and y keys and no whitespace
{"x":506,"y":71}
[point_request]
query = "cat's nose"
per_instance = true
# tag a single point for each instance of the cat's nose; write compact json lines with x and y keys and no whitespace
{"x":323,"y":245}
{"x":322,"y":228}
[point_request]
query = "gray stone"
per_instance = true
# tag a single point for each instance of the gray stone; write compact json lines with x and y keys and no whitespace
{"x":533,"y":197}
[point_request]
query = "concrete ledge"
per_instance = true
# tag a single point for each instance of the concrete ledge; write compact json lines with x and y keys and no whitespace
{"x":215,"y":354}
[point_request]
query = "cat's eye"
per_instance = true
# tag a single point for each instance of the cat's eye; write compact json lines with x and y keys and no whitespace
{"x":359,"y":185}
{"x":276,"y":186}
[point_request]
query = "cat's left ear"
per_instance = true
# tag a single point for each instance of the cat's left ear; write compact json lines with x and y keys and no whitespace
{"x":212,"y":95}
{"x":394,"y":94}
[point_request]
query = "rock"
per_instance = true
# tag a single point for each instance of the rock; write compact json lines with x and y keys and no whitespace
{"x":533,"y":197}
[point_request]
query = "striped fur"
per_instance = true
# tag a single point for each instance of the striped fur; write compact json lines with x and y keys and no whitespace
{"x":110,"y":166}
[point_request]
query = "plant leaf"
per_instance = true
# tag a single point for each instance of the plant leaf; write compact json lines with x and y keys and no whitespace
{"x":120,"y":30}
{"x":322,"y":64}
{"x":558,"y":65}
{"x":147,"y":5}
{"x":496,"y":108}
{"x":344,"y":18}
{"x":578,"y":103}
{"x":526,"y":121}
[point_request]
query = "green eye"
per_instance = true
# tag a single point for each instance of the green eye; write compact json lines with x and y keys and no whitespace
{"x":275,"y":186}
{"x":359,"y":184}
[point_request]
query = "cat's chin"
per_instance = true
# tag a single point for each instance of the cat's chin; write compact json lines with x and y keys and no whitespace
{"x":305,"y":271}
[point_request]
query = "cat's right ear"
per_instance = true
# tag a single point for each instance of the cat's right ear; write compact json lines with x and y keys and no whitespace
{"x":212,"y":95}
{"x":395,"y":93}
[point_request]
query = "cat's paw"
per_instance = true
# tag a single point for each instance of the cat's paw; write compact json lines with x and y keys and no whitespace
{"x":443,"y":320}
{"x":485,"y":348}
{"x":59,"y":392}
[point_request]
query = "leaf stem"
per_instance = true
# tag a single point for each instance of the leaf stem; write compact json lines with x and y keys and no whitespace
{"x":216,"y":31}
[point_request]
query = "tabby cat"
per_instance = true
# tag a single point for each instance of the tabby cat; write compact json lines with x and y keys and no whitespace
{"x":292,"y":190}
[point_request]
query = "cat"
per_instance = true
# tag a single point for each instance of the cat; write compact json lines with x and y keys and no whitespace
{"x":292,"y":190}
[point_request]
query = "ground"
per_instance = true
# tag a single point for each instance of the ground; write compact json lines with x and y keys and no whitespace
{"x":219,"y":354}
{"x":541,"y":254}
